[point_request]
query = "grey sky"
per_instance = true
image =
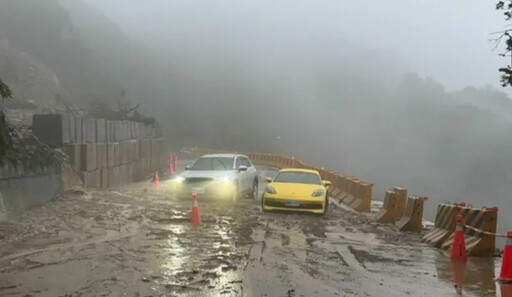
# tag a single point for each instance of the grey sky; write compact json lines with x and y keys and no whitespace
{"x":444,"y":39}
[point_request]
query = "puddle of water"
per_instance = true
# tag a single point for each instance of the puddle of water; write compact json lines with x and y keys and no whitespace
{"x":478,"y":275}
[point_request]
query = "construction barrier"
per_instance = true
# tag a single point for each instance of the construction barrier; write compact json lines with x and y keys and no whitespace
{"x":444,"y":224}
{"x":353,"y":185}
{"x":389,"y":213}
{"x":413,"y":216}
{"x":401,"y":200}
{"x":363,"y":198}
{"x":480,"y":240}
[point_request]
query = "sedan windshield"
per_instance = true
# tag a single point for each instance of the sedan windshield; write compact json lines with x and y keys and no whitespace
{"x":298,"y":177}
{"x":213,"y":163}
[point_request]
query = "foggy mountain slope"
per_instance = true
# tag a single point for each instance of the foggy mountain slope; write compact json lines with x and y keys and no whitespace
{"x":43,"y":30}
{"x":129,"y":64}
{"x":28,"y":78}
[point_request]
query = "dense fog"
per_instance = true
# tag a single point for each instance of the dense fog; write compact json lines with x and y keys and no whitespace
{"x":402,"y":94}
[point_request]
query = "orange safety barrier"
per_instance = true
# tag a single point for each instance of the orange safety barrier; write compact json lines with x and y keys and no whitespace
{"x":352,"y":192}
{"x":401,"y":194}
{"x":444,"y":224}
{"x":480,"y":239}
{"x":413,"y":217}
{"x":363,"y":198}
{"x":390,"y":211}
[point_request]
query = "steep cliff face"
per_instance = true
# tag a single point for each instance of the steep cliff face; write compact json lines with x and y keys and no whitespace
{"x":30,"y":79}
{"x":41,"y":48}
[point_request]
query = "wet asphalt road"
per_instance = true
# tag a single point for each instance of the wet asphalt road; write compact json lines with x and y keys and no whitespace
{"x":138,"y":241}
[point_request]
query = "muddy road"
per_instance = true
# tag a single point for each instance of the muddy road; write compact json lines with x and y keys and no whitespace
{"x":138,"y":241}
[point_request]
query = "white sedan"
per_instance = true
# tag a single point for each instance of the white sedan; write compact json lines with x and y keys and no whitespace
{"x":219,"y":176}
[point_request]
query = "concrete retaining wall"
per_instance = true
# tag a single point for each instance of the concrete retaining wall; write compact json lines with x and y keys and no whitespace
{"x":105,"y":154}
{"x":21,"y":189}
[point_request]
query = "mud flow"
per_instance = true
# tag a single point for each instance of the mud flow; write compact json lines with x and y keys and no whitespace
{"x":138,"y":241}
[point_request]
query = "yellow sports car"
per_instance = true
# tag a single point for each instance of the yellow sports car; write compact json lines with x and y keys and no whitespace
{"x":298,"y":190}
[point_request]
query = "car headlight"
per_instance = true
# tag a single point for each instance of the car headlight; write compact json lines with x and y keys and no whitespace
{"x":225,"y":179}
{"x":179,"y":179}
{"x":318,"y":193}
{"x":269,"y":189}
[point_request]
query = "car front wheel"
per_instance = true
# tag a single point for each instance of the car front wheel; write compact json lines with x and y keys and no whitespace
{"x":254,"y":192}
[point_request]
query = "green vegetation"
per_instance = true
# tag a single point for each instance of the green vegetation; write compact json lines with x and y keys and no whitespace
{"x":5,"y":131}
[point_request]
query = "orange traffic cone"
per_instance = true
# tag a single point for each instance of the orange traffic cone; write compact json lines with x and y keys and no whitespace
{"x":157,"y":181}
{"x":196,"y":215}
{"x":459,"y":253}
{"x":506,"y":262}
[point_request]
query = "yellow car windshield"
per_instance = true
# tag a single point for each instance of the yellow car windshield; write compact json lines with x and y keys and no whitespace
{"x":298,"y":177}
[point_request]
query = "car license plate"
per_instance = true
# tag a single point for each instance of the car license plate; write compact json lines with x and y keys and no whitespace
{"x":198,"y":190}
{"x":293,"y":204}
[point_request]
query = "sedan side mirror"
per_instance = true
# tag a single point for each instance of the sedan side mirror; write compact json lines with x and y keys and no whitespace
{"x":187,"y":167}
{"x":268,"y":179}
{"x":327,"y":183}
{"x":242,"y":168}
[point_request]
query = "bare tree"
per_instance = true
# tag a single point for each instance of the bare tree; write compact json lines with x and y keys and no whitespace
{"x":505,"y":37}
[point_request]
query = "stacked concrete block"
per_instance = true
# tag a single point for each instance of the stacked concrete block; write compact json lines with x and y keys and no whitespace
{"x":79,"y":132}
{"x":111,"y":132}
{"x":104,"y":178}
{"x":72,"y":129}
{"x":117,"y":154}
{"x":123,"y":153}
{"x":52,"y":129}
{"x":105,"y":153}
{"x":90,"y":130}
{"x":97,"y":178}
{"x":91,"y":179}
{"x":74,"y":155}
{"x":110,"y":155}
{"x":101,"y":152}
{"x":113,"y":177}
{"x":101,"y":131}
{"x":88,"y":160}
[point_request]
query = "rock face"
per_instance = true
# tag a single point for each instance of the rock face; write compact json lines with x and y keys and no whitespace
{"x":29,"y":79}
{"x":42,"y":54}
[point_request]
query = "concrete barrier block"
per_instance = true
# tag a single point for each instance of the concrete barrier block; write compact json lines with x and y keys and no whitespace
{"x":123,"y":174}
{"x":86,"y":178}
{"x":72,"y":129}
{"x":90,"y":130}
{"x":111,"y":137}
{"x":101,"y":131}
{"x":122,"y":153}
{"x":117,"y":153}
{"x":79,"y":135}
{"x":104,"y":178}
{"x":97,"y":178}
{"x":412,"y":219}
{"x":52,"y":129}
{"x":101,"y":152}
{"x":88,"y":160}
{"x":113,"y":177}
{"x":111,"y":155}
{"x":73,"y":152}
{"x":126,"y":130}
